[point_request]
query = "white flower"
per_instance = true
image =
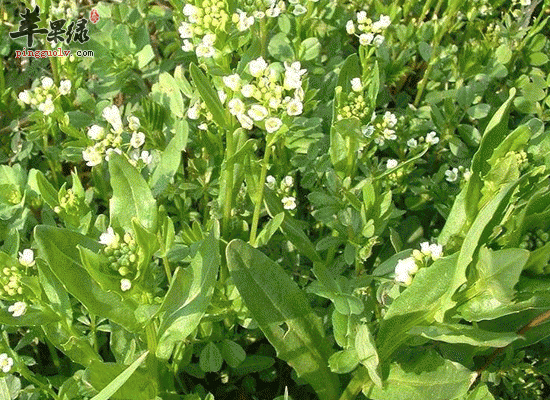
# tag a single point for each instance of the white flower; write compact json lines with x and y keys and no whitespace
{"x":289,"y":203}
{"x":525,"y":3}
{"x":390,"y":119}
{"x":378,"y":40}
{"x":287,"y":181}
{"x":436,"y":250}
{"x":273,"y":124}
{"x":295,"y":67}
{"x":350,"y":28}
{"x":146,"y":157}
{"x":65,"y":87}
{"x":205,"y":51}
{"x":467,"y":174}
{"x":366,"y":38}
{"x":299,"y":10}
{"x":112,"y":115}
{"x":274,"y":102}
{"x":26,"y":258}
{"x":133,"y":123}
{"x":356,"y":85}
{"x":233,"y":82}
{"x":432,"y":138}
{"x":367,"y":130}
{"x":412,"y":143}
{"x":259,"y":14}
{"x":271,"y":181}
{"x":96,"y":132}
{"x":189,"y":10}
{"x":25,"y":97}
{"x":244,"y":22}
{"x":404,"y":269}
{"x":125,"y":284}
{"x":186,"y":30}
{"x":257,"y":67}
{"x":273,"y":12}
{"x":384,"y":21}
{"x":248,"y":90}
{"x":451,"y":175}
{"x":425,"y":248}
{"x":389,"y":134}
{"x":245,"y":121}
{"x":294,"y":107}
{"x":222,"y":96}
{"x":187,"y":46}
{"x":362,"y":17}
{"x":236,"y":107}
{"x":5,"y":363}
{"x":193,"y":112}
{"x":137,"y":140}
{"x":18,"y":308}
{"x":257,"y":112}
{"x":47,"y":82}
{"x":209,"y":39}
{"x":292,"y":81}
{"x":110,"y":151}
{"x":109,"y":238}
{"x":391,"y":163}
{"x":203,"y":126}
{"x":47,"y":107}
{"x":92,"y":156}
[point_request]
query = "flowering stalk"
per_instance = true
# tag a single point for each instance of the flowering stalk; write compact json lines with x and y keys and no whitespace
{"x":229,"y":171}
{"x":260,"y":196}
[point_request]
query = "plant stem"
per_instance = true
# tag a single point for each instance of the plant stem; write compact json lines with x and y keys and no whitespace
{"x":167,"y":269}
{"x":229,"y":171}
{"x":263,"y":36}
{"x":53,"y":63}
{"x":152,"y":365}
{"x":360,"y":378}
{"x":260,"y":196}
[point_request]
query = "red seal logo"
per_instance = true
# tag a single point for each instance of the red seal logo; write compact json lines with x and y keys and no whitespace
{"x":94,"y":16}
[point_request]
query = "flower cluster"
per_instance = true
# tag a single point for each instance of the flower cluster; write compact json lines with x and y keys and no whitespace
{"x":250,"y":12}
{"x":368,"y":32}
{"x":42,"y":97}
{"x":199,"y":112}
{"x":408,"y":267}
{"x":122,"y":256}
{"x":285,"y":189}
{"x":203,"y":20}
{"x":5,"y":363}
{"x":535,"y":239}
{"x":354,"y":105}
{"x":453,"y":174}
{"x":258,"y":99}
{"x":381,"y":128}
{"x":115,"y":139}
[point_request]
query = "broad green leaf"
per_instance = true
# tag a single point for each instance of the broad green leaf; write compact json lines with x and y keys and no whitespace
{"x":169,"y":160}
{"x":232,"y":353}
{"x":131,"y":196}
{"x":189,"y":300}
{"x":284,"y":315}
{"x":481,"y":392}
{"x":269,"y":229}
{"x":53,"y":289}
{"x":310,"y":48}
{"x":208,"y":95}
{"x":350,"y":69}
{"x":76,"y":347}
{"x":424,"y":375}
{"x":60,"y":249}
{"x":280,"y":48}
{"x":127,"y":383}
{"x":4,"y":390}
{"x":210,"y":359}
{"x":170,"y":94}
{"x":47,"y":191}
{"x":343,"y":361}
{"x":144,"y":56}
{"x":253,"y":363}
{"x":455,"y":333}
{"x":367,"y":353}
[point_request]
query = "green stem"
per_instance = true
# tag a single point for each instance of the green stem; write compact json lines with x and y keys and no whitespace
{"x":360,"y":378}
{"x":152,"y":364}
{"x":229,"y":171}
{"x":50,"y":162}
{"x":260,"y":196}
{"x":167,"y":269}
{"x":53,"y":63}
{"x":263,"y":36}
{"x":2,"y":79}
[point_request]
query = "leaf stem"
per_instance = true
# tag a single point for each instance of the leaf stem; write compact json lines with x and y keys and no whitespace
{"x":167,"y":268}
{"x":152,"y":364}
{"x":260,"y":196}
{"x":360,"y":378}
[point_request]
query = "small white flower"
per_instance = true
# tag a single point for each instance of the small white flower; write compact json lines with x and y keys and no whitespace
{"x":244,"y":22}
{"x":432,"y":138}
{"x":294,"y":107}
{"x":5,"y":363}
{"x":25,"y":97}
{"x":125,"y":284}
{"x":203,"y":126}
{"x":222,"y":96}
{"x":436,"y":251}
{"x":26,"y":258}
{"x":258,"y":14}
{"x":367,"y":130}
{"x":137,"y":140}
{"x":356,"y":85}
{"x":404,"y":270}
{"x":451,"y":175}
{"x":289,"y":203}
{"x":391,"y":163}
{"x":47,"y":107}
{"x":236,"y":107}
{"x":65,"y":87}
{"x":274,"y":102}
{"x":187,"y":46}
{"x":133,"y":123}
{"x":209,"y":39}
{"x":257,"y":67}
{"x":271,"y":181}
{"x":390,"y":119}
{"x":109,"y":238}
{"x":146,"y":157}
{"x":96,"y":132}
{"x":378,"y":40}
{"x":233,"y":82}
{"x":186,"y":30}
{"x":110,"y":151}
{"x":299,"y":10}
{"x":425,"y":248}
{"x":362,"y":17}
{"x":193,"y":112}
{"x":525,"y":3}
{"x":292,"y":81}
{"x":257,"y":112}
{"x":287,"y":181}
{"x":350,"y":27}
{"x":92,"y":156}
{"x":412,"y":143}
{"x":248,"y":90}
{"x":467,"y":174}
{"x":112,"y":115}
{"x":245,"y":121}
{"x":47,"y":82}
{"x":205,"y":51}
{"x":384,"y":21}
{"x":389,"y":134}
{"x":18,"y":308}
{"x":273,"y":124}
{"x":273,"y":12}
{"x":189,"y":10}
{"x":366,"y":38}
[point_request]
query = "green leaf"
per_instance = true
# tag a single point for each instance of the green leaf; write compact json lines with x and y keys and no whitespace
{"x":167,"y":93}
{"x":131,"y":196}
{"x":254,"y":363}
{"x":281,"y":48}
{"x":55,"y":292}
{"x":481,"y":392}
{"x":232,"y":353}
{"x":186,"y":302}
{"x":47,"y":191}
{"x":343,"y":361}
{"x":310,"y":48}
{"x":170,"y":159}
{"x":210,"y":359}
{"x":269,"y":229}
{"x":424,"y":375}
{"x":128,"y":384}
{"x":367,"y":353}
{"x":425,"y":51}
{"x":145,"y":56}
{"x":60,"y":249}
{"x":208,"y":95}
{"x":455,"y":333}
{"x":32,"y":317}
{"x":284,"y":315}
